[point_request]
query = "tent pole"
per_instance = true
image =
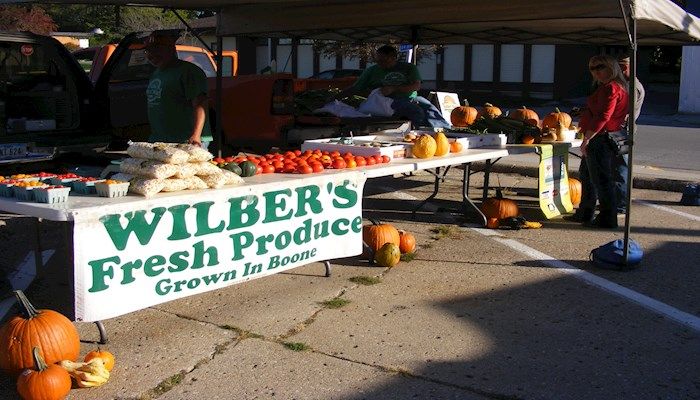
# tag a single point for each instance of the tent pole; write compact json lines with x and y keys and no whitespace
{"x":632,"y":127}
{"x":219,"y":73}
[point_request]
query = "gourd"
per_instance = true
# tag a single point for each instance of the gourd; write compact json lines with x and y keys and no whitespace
{"x":489,"y":111}
{"x":45,"y":382}
{"x":51,"y":331}
{"x":407,"y":242}
{"x":499,"y":207}
{"x":463,"y":116}
{"x":528,"y":139}
{"x":424,"y":147}
{"x":524,"y":114}
{"x":575,"y":191}
{"x":106,"y":357}
{"x":377,"y":234}
{"x":442,"y":144}
{"x":555,"y":119}
{"x":248,"y":168}
{"x":233,"y":167}
{"x":388,"y":255}
{"x":87,"y":374}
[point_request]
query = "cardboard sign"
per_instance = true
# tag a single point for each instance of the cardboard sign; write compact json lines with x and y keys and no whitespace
{"x":553,"y":185}
{"x":447,"y":102}
{"x":131,"y":257}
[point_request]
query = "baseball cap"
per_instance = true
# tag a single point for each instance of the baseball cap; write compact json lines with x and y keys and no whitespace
{"x":159,"y":39}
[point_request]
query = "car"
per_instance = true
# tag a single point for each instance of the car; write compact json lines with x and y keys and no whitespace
{"x":337,"y":73}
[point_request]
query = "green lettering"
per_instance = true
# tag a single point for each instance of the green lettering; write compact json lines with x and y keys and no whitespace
{"x":237,"y":212}
{"x":179,"y":231}
{"x":136,"y":223}
{"x":356,"y":225}
{"x":163,"y":287}
{"x":128,"y":271}
{"x":151,"y":262}
{"x":100,"y":273}
{"x":262,"y":243}
{"x":240,"y":241}
{"x":303,"y":233}
{"x":200,"y":251}
{"x":203,"y":227}
{"x":336,"y":229}
{"x":252,"y":269}
{"x":273,"y":204}
{"x":178,"y":260}
{"x":282,"y":240}
{"x":344,"y":192}
{"x":308,"y":195}
{"x":213,"y":278}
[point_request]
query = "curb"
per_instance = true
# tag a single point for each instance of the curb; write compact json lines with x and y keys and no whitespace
{"x":639,"y":182}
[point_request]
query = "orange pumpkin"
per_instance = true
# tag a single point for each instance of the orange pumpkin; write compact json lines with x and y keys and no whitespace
{"x":51,"y":331}
{"x":376,"y":235}
{"x":492,"y":223}
{"x":107,"y":357}
{"x":489,"y":111}
{"x":575,"y":191}
{"x":407,"y":242}
{"x":524,"y":114}
{"x":555,"y":120}
{"x":45,"y":382}
{"x":456,"y":147}
{"x":464,"y":115}
{"x":499,"y":207}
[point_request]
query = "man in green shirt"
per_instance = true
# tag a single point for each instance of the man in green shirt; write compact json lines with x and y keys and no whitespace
{"x":399,"y":81}
{"x":176,"y":95}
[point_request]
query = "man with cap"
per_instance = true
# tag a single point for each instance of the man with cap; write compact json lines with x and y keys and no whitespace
{"x":620,"y":164}
{"x":176,"y":95}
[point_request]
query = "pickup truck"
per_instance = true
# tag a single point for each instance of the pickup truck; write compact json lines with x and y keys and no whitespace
{"x":48,"y":104}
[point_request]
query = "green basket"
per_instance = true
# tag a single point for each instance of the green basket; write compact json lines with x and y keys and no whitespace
{"x":51,"y":195}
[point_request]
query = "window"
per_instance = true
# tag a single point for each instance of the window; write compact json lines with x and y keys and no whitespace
{"x":542,"y":66}
{"x":199,"y":59}
{"x":133,"y":66}
{"x":512,"y":56}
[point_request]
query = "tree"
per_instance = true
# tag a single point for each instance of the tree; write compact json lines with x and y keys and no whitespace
{"x":26,"y":18}
{"x":363,"y":51}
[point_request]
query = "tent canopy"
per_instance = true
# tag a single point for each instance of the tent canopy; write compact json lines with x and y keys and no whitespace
{"x":596,"y":22}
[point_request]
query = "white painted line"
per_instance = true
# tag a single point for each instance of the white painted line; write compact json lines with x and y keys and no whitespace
{"x":669,"y":210}
{"x":647,"y":302}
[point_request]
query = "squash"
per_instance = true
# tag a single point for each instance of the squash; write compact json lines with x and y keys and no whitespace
{"x":575,"y":191}
{"x":424,"y":147}
{"x":388,"y":255}
{"x":489,"y":111}
{"x":528,"y":139}
{"x":377,"y":234}
{"x":407,"y":242}
{"x":456,"y":147}
{"x":492,"y":223}
{"x":45,"y":382}
{"x":499,"y":207}
{"x":524,"y":114}
{"x":87,"y":374}
{"x":106,"y":357}
{"x":463,"y":116}
{"x":51,"y":331}
{"x":233,"y":167}
{"x":442,"y":144}
{"x":555,"y":119}
{"x":248,"y":168}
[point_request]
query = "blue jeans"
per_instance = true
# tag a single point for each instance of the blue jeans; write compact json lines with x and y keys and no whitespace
{"x":597,"y":180}
{"x":420,"y":111}
{"x":620,"y":169}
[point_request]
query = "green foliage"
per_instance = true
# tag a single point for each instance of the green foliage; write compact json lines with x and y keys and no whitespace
{"x":336,"y":303}
{"x":296,"y":346}
{"x":26,"y":18}
{"x":365,"y":280}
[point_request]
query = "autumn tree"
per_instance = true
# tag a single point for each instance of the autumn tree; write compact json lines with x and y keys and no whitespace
{"x":26,"y":18}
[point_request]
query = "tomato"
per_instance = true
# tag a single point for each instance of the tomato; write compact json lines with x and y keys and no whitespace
{"x":304,"y":169}
{"x":339,"y":163}
{"x":277,"y":164}
{"x":268,"y":169}
{"x":308,"y":153}
{"x":335,"y":154}
{"x":361,"y":161}
{"x":297,"y":152}
{"x":289,"y":154}
{"x":351,"y":163}
{"x":288,"y":169}
{"x":348,"y":155}
{"x":258,"y":169}
{"x":317,"y":167}
{"x":378,"y":159}
{"x":386,"y":159}
{"x":371,"y":161}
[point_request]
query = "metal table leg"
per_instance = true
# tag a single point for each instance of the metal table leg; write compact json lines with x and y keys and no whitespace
{"x":439,"y":177}
{"x":327,"y":264}
{"x":103,"y":332}
{"x":467,"y":203}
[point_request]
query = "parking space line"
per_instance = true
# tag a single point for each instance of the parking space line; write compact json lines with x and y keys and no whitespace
{"x":669,"y":210}
{"x":647,"y":302}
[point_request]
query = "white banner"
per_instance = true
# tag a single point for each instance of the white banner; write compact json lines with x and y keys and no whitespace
{"x":130,"y":256}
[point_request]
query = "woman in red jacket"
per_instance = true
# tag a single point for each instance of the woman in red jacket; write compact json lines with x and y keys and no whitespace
{"x":606,"y":112}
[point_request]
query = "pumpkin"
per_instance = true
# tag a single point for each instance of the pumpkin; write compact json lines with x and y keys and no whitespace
{"x":388,"y":255}
{"x":106,"y":357}
{"x":464,"y":115}
{"x":532,"y":122}
{"x":555,"y":119}
{"x":499,"y":207}
{"x":524,"y":114}
{"x":489,"y":111}
{"x":377,"y":234}
{"x":424,"y":147}
{"x":492,"y":223}
{"x":442,"y":144}
{"x":407,"y":242}
{"x":575,"y":191}
{"x":528,"y":139}
{"x":456,"y":147}
{"x":51,"y":331}
{"x":47,"y":382}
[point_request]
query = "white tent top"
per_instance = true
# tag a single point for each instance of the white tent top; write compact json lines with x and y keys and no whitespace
{"x":597,"y":22}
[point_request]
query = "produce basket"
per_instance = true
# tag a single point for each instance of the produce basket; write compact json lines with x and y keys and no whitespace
{"x":59,"y":181}
{"x":110,"y":188}
{"x":6,"y":189}
{"x":51,"y":195}
{"x":24,"y":177}
{"x":24,"y":193}
{"x":358,"y":146}
{"x":85,"y":186}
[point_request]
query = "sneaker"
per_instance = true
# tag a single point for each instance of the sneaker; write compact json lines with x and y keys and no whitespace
{"x":599,"y":223}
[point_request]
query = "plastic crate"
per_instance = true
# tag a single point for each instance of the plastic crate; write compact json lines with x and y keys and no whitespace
{"x":68,"y":182}
{"x":85,"y":187}
{"x":51,"y":195}
{"x":23,"y":193}
{"x":112,"y":189}
{"x":6,"y":190}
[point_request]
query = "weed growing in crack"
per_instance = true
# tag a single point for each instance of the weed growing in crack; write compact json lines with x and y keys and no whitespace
{"x":296,"y":346}
{"x":365,"y":280}
{"x":335,"y":303}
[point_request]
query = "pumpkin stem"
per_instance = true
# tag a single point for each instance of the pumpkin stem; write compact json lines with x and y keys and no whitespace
{"x":27,"y":307}
{"x":557,"y":110}
{"x":466,"y":102}
{"x":488,"y":105}
{"x":499,"y":193}
{"x":39,"y":362}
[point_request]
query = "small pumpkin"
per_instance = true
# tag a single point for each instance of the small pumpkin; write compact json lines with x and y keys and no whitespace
{"x":463,"y":116}
{"x":456,"y":147}
{"x":407,"y":242}
{"x":556,"y":119}
{"x":388,"y":255}
{"x":51,"y":331}
{"x":528,"y":139}
{"x":524,"y":114}
{"x":489,"y":111}
{"x":492,"y":223}
{"x":377,"y":234}
{"x":442,"y":144}
{"x":106,"y":357}
{"x":575,"y":191}
{"x":499,"y":207}
{"x":45,"y":382}
{"x":424,"y":147}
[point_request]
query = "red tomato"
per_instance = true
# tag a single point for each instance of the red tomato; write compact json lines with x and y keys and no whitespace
{"x":288,"y":169}
{"x":277,"y":164}
{"x":348,"y":154}
{"x":289,"y":154}
{"x":339,"y":163}
{"x":361,"y":161}
{"x":258,"y":170}
{"x":386,"y":159}
{"x":378,"y":159}
{"x":304,"y":169}
{"x":351,"y":163}
{"x":308,"y":153}
{"x":297,"y":152}
{"x":335,"y":154}
{"x":268,"y":169}
{"x":371,"y":161}
{"x":317,"y":167}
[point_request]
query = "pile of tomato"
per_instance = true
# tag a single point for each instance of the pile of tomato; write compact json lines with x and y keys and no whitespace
{"x":307,"y":162}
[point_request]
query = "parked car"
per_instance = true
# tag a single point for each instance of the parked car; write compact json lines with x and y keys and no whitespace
{"x":337,"y":73}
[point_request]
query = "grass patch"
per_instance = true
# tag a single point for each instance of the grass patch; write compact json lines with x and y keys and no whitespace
{"x":408,"y":257}
{"x":443,"y":231}
{"x":165,"y":385}
{"x":426,"y":245}
{"x":296,"y":346}
{"x":336,"y":303}
{"x":365,"y":280}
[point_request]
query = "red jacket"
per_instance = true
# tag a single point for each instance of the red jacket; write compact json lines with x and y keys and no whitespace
{"x":606,"y":108}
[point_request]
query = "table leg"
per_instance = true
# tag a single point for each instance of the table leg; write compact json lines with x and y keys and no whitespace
{"x":436,"y":189}
{"x":103,"y":332}
{"x":487,"y":175}
{"x":467,"y":203}
{"x":327,"y":264}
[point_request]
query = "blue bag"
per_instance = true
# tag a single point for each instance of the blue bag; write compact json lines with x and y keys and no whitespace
{"x":691,"y":195}
{"x":612,"y":255}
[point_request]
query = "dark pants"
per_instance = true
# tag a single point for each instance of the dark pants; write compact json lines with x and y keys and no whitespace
{"x":597,"y":180}
{"x":420,"y":111}
{"x":620,"y":169}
